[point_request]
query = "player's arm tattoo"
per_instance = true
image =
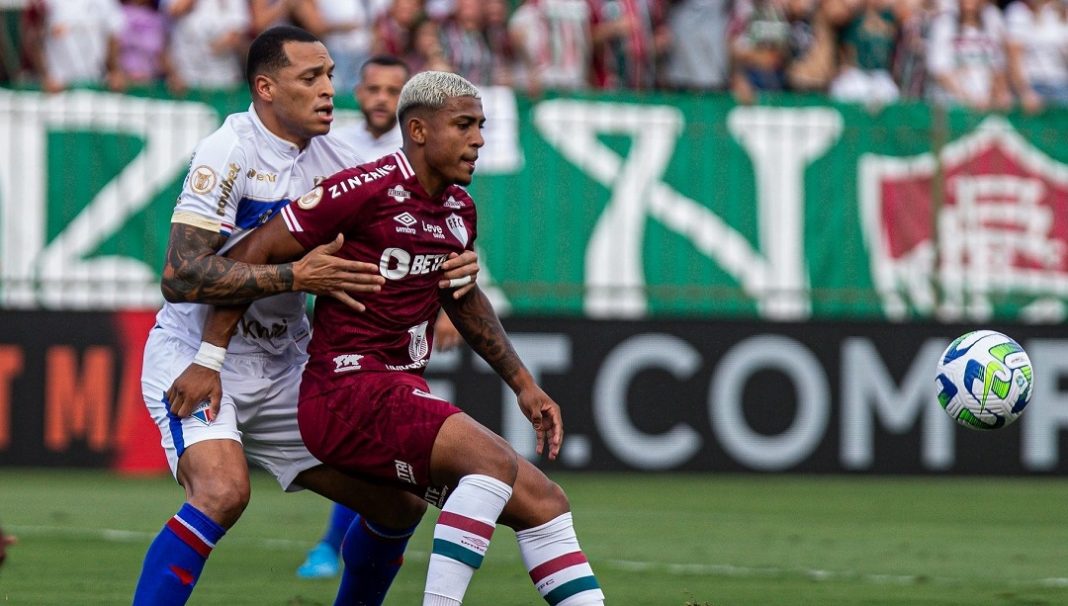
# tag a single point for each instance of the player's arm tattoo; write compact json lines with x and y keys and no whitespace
{"x":474,"y":317}
{"x":194,"y":273}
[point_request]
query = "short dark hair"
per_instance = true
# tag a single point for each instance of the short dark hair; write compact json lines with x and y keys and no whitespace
{"x":386,"y":61}
{"x":267,"y":52}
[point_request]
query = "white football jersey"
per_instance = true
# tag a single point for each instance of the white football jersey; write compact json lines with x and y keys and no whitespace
{"x":239,"y":177}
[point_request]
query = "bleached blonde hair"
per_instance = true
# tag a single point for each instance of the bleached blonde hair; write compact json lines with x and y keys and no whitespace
{"x":433,"y":90}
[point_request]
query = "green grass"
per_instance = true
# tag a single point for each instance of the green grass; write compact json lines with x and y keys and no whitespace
{"x":698,"y":540}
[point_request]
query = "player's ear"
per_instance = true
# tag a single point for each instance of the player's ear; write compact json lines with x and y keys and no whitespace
{"x":416,"y":129}
{"x":263,"y":87}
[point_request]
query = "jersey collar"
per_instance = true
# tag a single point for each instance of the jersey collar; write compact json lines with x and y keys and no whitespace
{"x":277,"y":143}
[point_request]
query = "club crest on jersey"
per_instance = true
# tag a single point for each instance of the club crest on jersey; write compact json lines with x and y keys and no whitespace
{"x":456,"y":226}
{"x":453,"y":203}
{"x":398,"y":193}
{"x":311,"y":199}
{"x":204,"y":414}
{"x":202,"y":179}
{"x":406,"y":221}
{"x":347,"y":362}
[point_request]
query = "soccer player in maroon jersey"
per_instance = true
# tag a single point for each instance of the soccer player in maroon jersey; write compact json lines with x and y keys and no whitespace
{"x":365,"y":408}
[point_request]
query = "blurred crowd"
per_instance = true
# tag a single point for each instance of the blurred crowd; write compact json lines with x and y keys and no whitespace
{"x":976,"y":53}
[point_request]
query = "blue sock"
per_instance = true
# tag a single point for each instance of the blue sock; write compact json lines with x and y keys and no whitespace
{"x":341,"y":518}
{"x":372,"y":557}
{"x":176,"y":558}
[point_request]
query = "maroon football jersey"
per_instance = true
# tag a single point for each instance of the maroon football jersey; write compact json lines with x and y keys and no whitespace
{"x":388,"y":219}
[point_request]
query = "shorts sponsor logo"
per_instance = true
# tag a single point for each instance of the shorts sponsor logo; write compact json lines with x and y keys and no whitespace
{"x":412,"y":366}
{"x":204,"y":413}
{"x":202,"y":179}
{"x":435,"y":495}
{"x":347,"y":362}
{"x":405,"y":471}
{"x":311,"y":199}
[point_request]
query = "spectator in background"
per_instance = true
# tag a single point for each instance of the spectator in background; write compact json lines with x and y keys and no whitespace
{"x":78,"y":43}
{"x":914,"y":19}
{"x":424,"y":51}
{"x":760,"y":48}
{"x":698,"y":59}
{"x":500,"y":42}
{"x":464,"y":43}
{"x":1038,"y":51}
{"x":207,"y":44}
{"x":866,"y":49}
{"x":393,"y":29}
{"x":966,"y":57}
{"x":628,"y":38}
{"x":552,"y":40}
{"x":814,"y":33}
{"x":265,"y":14}
{"x":347,"y":28}
{"x":142,"y":42}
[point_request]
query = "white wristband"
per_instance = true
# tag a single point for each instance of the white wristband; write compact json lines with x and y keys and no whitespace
{"x":210,"y":356}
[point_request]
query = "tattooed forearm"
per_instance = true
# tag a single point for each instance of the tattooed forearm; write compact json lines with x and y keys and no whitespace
{"x":474,"y":317}
{"x":193,"y":272}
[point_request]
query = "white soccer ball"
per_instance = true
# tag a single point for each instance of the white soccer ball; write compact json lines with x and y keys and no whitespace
{"x":984,"y":380}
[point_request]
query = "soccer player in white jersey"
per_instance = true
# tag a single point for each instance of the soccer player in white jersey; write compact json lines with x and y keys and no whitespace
{"x":240,"y":176}
{"x":381,"y":80}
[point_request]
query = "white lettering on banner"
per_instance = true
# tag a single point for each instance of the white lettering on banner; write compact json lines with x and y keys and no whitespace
{"x":872,"y":404}
{"x":614,"y":273}
{"x":68,"y":277}
{"x":740,"y":363}
{"x":630,"y":444}
{"x":1047,"y":414}
{"x":869,"y":391}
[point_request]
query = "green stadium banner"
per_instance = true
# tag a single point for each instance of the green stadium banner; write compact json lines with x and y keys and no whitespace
{"x":622,"y":206}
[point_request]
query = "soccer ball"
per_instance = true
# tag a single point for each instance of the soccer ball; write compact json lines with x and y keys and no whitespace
{"x":984,"y":380}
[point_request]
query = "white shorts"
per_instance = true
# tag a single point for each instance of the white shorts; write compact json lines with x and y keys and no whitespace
{"x":259,"y":407}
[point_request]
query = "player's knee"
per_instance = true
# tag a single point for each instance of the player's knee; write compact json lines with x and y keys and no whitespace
{"x":405,"y":513}
{"x":224,"y":502}
{"x":501,"y":463}
{"x":555,"y":498}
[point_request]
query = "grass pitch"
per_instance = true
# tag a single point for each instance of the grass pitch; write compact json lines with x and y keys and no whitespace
{"x":673,"y":540}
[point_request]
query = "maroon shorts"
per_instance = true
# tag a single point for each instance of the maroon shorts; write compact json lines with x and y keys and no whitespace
{"x":379,"y":425}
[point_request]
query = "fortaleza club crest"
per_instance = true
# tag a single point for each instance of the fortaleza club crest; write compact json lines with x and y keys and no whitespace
{"x":955,"y":235}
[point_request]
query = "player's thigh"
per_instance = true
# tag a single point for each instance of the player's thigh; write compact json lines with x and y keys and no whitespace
{"x":382,"y":504}
{"x":266,"y":391}
{"x":215,"y":474}
{"x":165,"y":357}
{"x":464,"y":446}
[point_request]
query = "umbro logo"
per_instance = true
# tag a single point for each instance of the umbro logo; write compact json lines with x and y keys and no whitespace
{"x":407,"y":221}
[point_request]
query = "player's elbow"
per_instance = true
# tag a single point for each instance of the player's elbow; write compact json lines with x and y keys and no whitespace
{"x":178,"y":285}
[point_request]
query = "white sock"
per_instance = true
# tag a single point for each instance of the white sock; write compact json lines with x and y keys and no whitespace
{"x":462,"y":536}
{"x":557,"y":565}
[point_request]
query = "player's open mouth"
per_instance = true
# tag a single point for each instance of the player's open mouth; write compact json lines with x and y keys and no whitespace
{"x":326,"y":114}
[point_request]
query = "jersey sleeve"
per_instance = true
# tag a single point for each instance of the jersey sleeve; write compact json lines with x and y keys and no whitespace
{"x":212,"y":188}
{"x":332,"y":207}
